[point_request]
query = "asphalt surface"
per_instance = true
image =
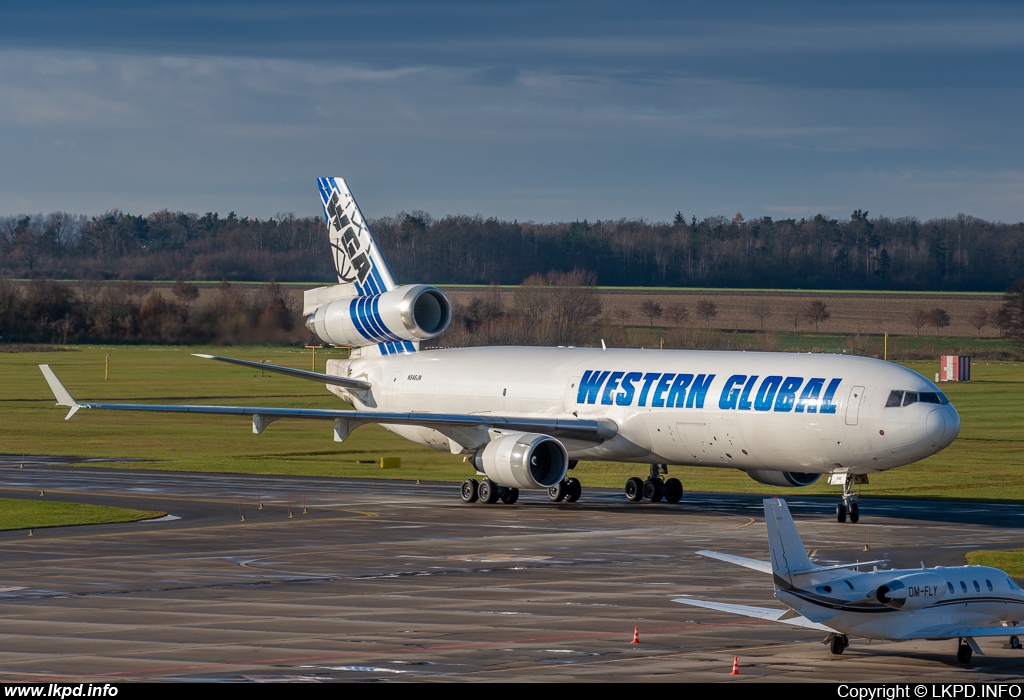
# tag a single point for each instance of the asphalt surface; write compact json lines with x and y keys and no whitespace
{"x":359,"y":580}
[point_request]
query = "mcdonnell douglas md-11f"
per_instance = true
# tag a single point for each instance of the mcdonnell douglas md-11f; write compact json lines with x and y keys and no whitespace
{"x":525,"y":416}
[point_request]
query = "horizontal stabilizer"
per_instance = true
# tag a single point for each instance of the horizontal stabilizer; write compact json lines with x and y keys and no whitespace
{"x":765,"y":567}
{"x":772,"y":614}
{"x":297,"y":373}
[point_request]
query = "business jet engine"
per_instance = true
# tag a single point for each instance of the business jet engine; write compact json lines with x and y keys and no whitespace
{"x":912,"y":592}
{"x":409,"y":312}
{"x":774,"y":478}
{"x":523,"y":460}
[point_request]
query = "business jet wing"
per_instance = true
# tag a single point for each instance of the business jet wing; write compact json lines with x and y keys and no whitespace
{"x":468,"y":430}
{"x":790,"y":617}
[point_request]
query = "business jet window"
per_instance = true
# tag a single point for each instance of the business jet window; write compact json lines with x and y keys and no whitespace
{"x":989,"y":584}
{"x":1013,"y":586}
{"x":977,"y":587}
{"x":950,"y":587}
{"x":963,"y":586}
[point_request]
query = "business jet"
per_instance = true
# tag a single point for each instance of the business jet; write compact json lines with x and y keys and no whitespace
{"x":958,"y":602}
{"x":524,"y":417}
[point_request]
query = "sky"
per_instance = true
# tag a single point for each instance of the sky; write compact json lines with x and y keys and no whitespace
{"x":542,"y":111}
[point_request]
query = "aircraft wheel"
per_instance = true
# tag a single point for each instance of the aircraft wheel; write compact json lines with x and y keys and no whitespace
{"x":673,"y":490}
{"x":854,"y":512}
{"x":509,"y":496}
{"x":469,"y":491}
{"x":964,"y":653}
{"x":573,"y":490}
{"x":1014,"y":642}
{"x":841,"y":513}
{"x":653,"y":490}
{"x":558,"y":492}
{"x":634,"y":489}
{"x":488,"y":491}
{"x":838,"y":644}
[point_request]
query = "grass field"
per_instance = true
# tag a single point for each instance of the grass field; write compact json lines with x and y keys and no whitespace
{"x":985,"y":462}
{"x":22,"y":514}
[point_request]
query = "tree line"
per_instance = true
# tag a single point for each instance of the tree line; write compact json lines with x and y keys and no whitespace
{"x":961,"y":253}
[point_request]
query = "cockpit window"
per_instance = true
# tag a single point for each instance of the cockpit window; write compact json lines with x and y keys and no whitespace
{"x":906,"y":398}
{"x":1013,"y":586}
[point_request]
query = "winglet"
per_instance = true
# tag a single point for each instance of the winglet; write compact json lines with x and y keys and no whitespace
{"x":60,"y":392}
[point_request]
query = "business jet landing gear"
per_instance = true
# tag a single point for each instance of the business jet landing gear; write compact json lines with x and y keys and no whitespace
{"x":849,"y":506}
{"x":964,"y":652}
{"x":1015,"y":642}
{"x":487,"y":492}
{"x":655,"y":488}
{"x":837,"y":643}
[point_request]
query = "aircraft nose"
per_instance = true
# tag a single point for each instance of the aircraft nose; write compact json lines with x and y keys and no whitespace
{"x":952,"y":420}
{"x":936,"y":426}
{"x":943,"y":425}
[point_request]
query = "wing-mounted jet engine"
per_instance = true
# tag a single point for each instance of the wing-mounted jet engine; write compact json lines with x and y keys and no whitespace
{"x":519,"y":460}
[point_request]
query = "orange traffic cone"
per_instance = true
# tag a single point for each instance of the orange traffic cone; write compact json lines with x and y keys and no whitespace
{"x":636,"y":635}
{"x":735,"y":666}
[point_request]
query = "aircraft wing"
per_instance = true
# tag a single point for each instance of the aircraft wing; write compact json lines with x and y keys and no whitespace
{"x":765,"y":567}
{"x":468,"y":430}
{"x":789,"y":617}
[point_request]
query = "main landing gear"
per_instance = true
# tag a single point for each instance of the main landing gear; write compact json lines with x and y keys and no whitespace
{"x":849,"y":506}
{"x":837,"y":643}
{"x":963,"y":651}
{"x":655,"y":488}
{"x":568,"y":490}
{"x":487,"y":491}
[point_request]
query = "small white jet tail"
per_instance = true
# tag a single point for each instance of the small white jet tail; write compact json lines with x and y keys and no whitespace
{"x":787,"y":549}
{"x":357,"y":257}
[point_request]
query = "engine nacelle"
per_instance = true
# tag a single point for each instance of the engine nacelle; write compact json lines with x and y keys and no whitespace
{"x":774,"y":478}
{"x":523,"y":460}
{"x":410,"y":312}
{"x":912,"y":591}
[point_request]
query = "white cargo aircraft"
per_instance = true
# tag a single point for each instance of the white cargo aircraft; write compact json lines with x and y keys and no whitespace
{"x":958,"y":602}
{"x":525,"y":416}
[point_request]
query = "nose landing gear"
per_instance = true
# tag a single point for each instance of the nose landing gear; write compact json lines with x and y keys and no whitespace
{"x":849,"y":506}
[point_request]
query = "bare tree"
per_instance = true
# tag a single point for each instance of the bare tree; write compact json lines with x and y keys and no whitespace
{"x":979,"y":319}
{"x":677,"y":313}
{"x":817,"y":312}
{"x":707,"y":309}
{"x":939,"y":318}
{"x":651,"y":309}
{"x":575,"y":305}
{"x":762,"y":311}
{"x":918,"y":317}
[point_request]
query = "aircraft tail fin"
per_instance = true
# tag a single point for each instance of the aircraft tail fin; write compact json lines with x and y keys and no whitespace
{"x":357,"y":257}
{"x":787,"y":549}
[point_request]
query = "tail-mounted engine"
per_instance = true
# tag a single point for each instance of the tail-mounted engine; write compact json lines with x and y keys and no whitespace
{"x":774,"y":478}
{"x":410,"y":312}
{"x":523,"y":460}
{"x":912,"y":592}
